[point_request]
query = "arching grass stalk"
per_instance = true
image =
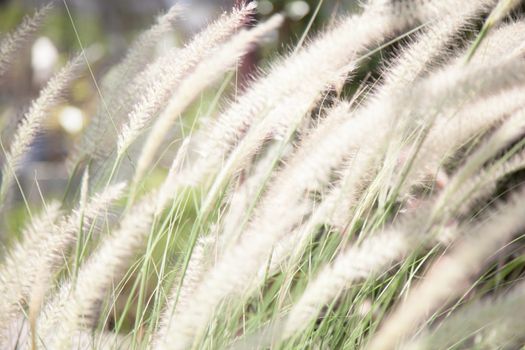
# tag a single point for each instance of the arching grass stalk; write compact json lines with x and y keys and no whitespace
{"x":497,"y":14}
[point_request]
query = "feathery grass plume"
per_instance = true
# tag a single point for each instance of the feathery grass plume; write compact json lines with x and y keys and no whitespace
{"x":234,"y":225}
{"x":182,"y":292}
{"x":55,"y":241}
{"x":162,"y":77}
{"x":480,"y":187}
{"x":140,"y":53}
{"x":12,"y":42}
{"x":293,"y":246}
{"x":154,"y":86}
{"x":497,"y":14}
{"x":429,"y":46}
{"x":204,"y":74}
{"x":444,"y":90}
{"x":130,"y":72}
{"x":395,"y":150}
{"x":508,"y":132}
{"x":505,"y":40}
{"x":373,"y":257}
{"x":172,"y":182}
{"x":105,"y":340}
{"x":422,"y":11}
{"x":96,"y":276}
{"x":243,"y":198}
{"x":456,"y":128}
{"x":449,"y":276}
{"x":33,"y":120}
{"x":287,"y":116}
{"x":48,"y":247}
{"x":334,"y":209}
{"x":18,"y":272}
{"x":337,"y":114}
{"x":116,"y":83}
{"x":496,"y":321}
{"x":83,"y":218}
{"x":116,"y":89}
{"x":36,"y":301}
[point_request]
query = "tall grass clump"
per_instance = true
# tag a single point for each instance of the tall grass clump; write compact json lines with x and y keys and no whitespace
{"x":362,"y":191}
